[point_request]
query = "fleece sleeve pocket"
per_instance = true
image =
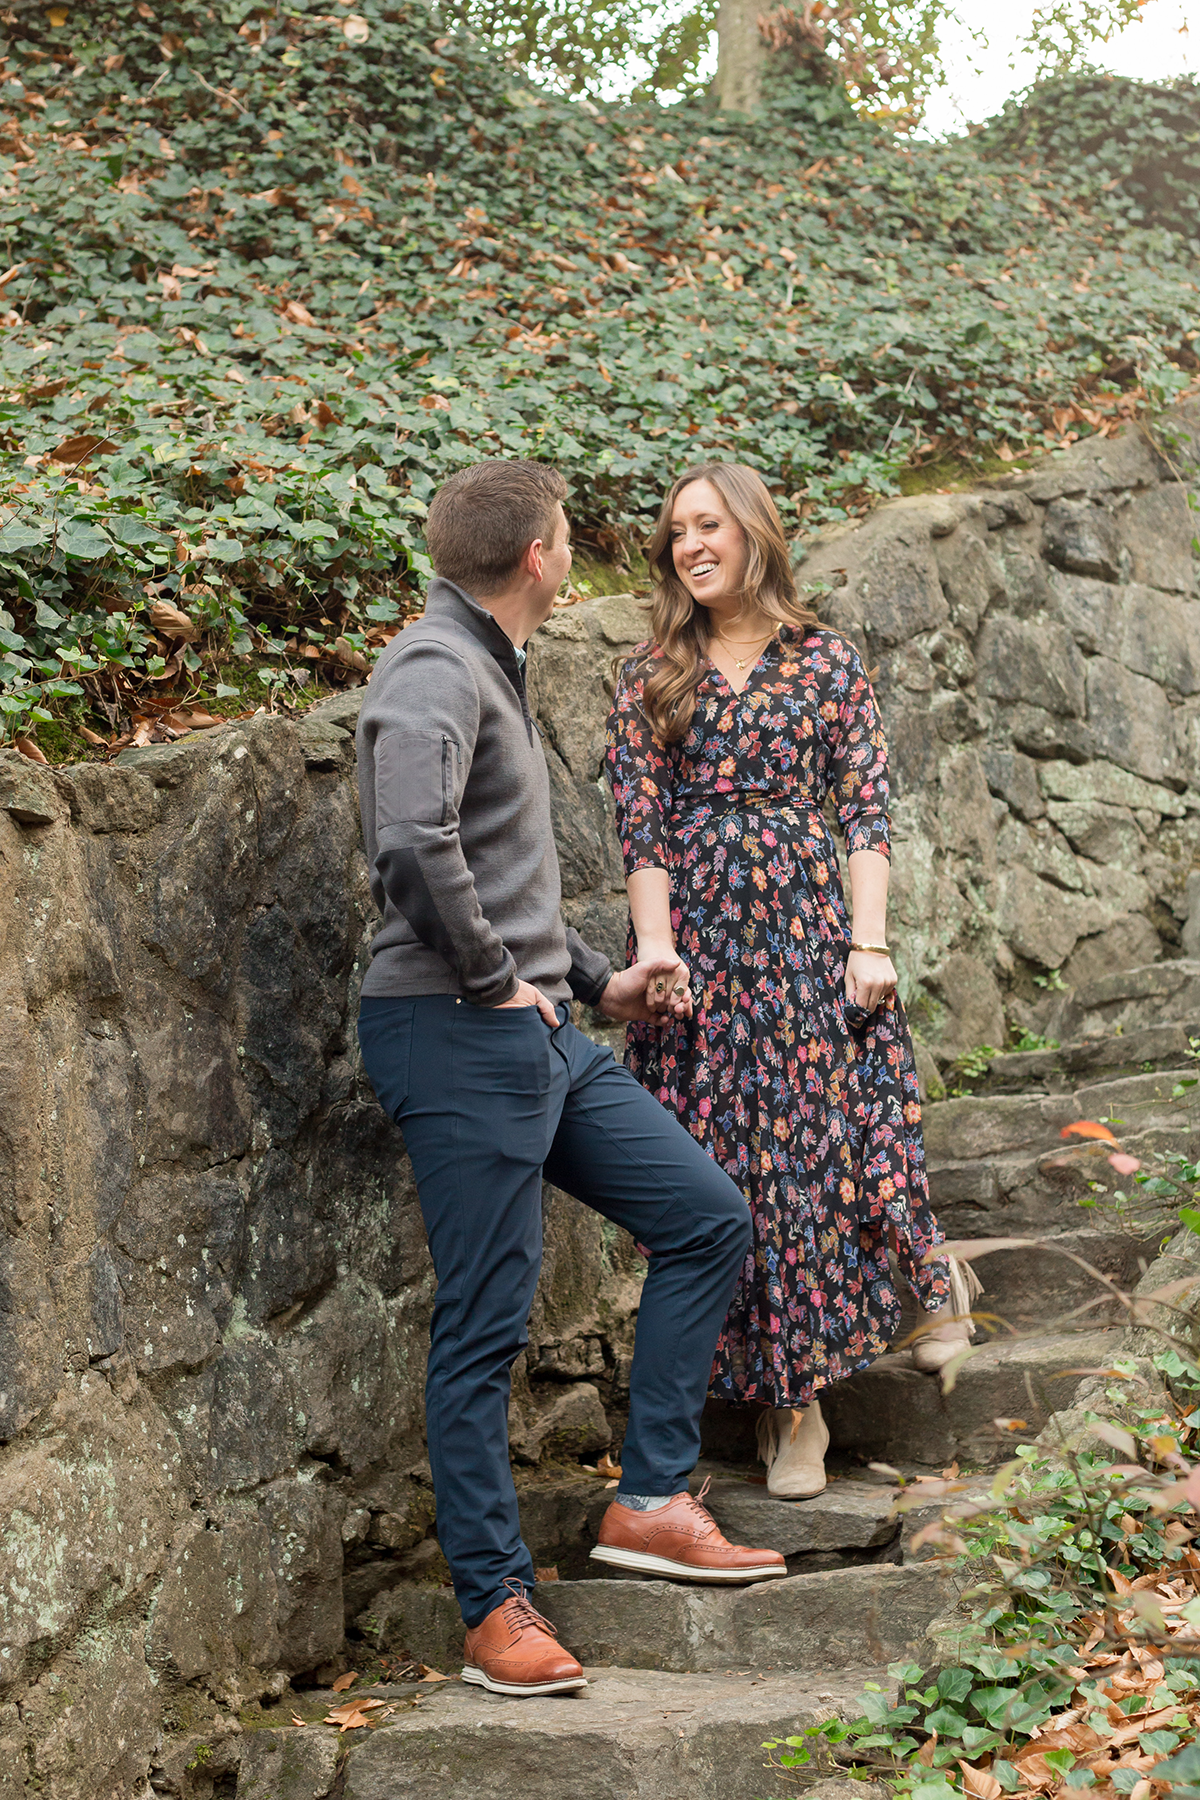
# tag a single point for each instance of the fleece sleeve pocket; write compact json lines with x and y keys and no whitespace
{"x":413,"y":778}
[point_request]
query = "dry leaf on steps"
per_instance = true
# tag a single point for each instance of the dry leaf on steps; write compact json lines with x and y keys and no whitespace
{"x":28,"y":748}
{"x":606,"y":1466}
{"x":353,"y":1714}
{"x":345,"y":1681}
{"x":549,"y":1574}
{"x":427,"y":1674}
{"x":93,"y":737}
{"x":1088,"y":1128}
{"x":297,"y":1720}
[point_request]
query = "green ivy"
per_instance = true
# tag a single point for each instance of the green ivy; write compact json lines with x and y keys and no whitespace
{"x":1132,"y":147}
{"x":272,"y":272}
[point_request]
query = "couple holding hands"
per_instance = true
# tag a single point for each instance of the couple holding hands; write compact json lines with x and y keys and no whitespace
{"x":762,"y":1143}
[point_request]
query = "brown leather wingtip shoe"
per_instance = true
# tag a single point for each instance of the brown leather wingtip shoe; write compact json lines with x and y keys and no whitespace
{"x":682,"y":1542}
{"x":516,"y":1651}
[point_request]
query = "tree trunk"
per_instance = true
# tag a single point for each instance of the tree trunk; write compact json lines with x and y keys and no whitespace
{"x":740,"y":56}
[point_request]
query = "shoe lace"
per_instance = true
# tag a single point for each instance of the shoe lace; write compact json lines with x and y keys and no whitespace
{"x":520,"y":1615}
{"x":696,"y":1504}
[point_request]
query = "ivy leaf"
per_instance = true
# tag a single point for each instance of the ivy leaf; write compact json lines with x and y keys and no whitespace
{"x":19,"y":534}
{"x":83,"y":542}
{"x":946,"y":1722}
{"x":955,"y":1684}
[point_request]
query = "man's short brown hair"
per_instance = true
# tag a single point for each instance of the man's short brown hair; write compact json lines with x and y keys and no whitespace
{"x":482,"y":521}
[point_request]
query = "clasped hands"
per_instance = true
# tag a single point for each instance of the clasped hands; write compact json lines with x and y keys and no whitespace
{"x":652,"y":991}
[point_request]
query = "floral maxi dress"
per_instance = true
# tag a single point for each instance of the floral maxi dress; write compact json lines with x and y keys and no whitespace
{"x":810,"y":1104}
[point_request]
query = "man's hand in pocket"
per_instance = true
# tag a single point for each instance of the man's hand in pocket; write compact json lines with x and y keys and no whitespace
{"x":528,"y":995}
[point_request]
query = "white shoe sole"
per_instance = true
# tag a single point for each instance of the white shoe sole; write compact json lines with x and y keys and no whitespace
{"x":478,"y":1678}
{"x":645,"y":1564}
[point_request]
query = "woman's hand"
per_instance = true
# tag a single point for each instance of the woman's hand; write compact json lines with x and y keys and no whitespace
{"x":869,"y":979}
{"x":670,"y":975}
{"x":652,"y":991}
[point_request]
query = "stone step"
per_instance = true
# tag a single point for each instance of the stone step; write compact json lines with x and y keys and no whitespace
{"x":830,"y":1619}
{"x":837,"y":1619}
{"x":999,"y":1166}
{"x":851,"y":1522}
{"x":981,"y":1126}
{"x":891,"y":1413}
{"x":739,"y":1501}
{"x":631,"y":1734}
{"x":1055,"y":1071}
{"x":1162,"y":993}
{"x":1040,"y":1287}
{"x":410,"y":1604}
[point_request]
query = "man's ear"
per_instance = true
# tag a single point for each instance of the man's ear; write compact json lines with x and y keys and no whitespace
{"x":534,"y":567}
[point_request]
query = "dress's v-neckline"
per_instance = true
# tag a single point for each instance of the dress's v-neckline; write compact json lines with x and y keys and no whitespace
{"x":750,"y":674}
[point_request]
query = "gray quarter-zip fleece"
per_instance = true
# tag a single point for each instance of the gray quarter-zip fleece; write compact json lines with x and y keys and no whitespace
{"x":455,"y":802}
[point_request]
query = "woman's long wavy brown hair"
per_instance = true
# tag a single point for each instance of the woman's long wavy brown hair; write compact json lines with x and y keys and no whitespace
{"x":680,"y":626}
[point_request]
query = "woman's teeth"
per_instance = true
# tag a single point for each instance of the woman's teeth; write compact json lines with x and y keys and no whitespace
{"x":699,"y":569}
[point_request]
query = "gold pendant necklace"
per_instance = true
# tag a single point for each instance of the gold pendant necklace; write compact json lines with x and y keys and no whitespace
{"x":753,"y":657}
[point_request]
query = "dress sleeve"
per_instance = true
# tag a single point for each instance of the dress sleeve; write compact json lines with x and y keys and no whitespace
{"x":858,"y":772}
{"x":639,"y":773}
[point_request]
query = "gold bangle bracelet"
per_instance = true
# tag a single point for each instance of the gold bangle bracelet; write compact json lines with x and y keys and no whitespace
{"x":871,"y":949}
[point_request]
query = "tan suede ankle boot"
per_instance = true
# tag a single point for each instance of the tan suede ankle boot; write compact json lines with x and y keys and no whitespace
{"x":792,"y":1441}
{"x":945,"y":1332}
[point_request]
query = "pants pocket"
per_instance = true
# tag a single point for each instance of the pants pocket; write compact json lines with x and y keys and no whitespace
{"x":385,"y":1030}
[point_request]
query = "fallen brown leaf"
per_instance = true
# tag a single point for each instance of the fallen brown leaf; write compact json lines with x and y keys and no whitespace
{"x":93,"y":737}
{"x":607,"y":1467}
{"x":28,"y":748}
{"x":353,"y":1714}
{"x":172,"y":622}
{"x":1088,"y":1128}
{"x":347,"y":654}
{"x":550,"y":1574}
{"x":980,"y":1783}
{"x":75,"y":450}
{"x":345,"y":1681}
{"x":427,"y":1674}
{"x":1145,"y":1722}
{"x":190,"y":720}
{"x":297,"y":1720}
{"x":1035,"y":1772}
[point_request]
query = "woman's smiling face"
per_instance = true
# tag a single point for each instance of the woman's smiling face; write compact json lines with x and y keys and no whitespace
{"x":709,"y":548}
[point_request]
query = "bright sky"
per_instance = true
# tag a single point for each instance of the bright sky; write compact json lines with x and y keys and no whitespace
{"x":981,"y":78}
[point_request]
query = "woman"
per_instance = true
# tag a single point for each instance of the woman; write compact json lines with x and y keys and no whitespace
{"x":796,"y":1069}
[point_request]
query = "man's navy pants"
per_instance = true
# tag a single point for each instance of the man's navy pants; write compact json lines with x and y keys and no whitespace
{"x":490,"y":1100}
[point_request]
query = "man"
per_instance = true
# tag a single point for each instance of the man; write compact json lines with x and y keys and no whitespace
{"x":466,"y":1038}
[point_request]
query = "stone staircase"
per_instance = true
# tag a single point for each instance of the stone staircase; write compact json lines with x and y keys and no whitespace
{"x":687,"y":1682}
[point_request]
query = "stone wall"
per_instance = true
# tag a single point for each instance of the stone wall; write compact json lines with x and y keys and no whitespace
{"x":214,"y":1290}
{"x":1036,"y":648}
